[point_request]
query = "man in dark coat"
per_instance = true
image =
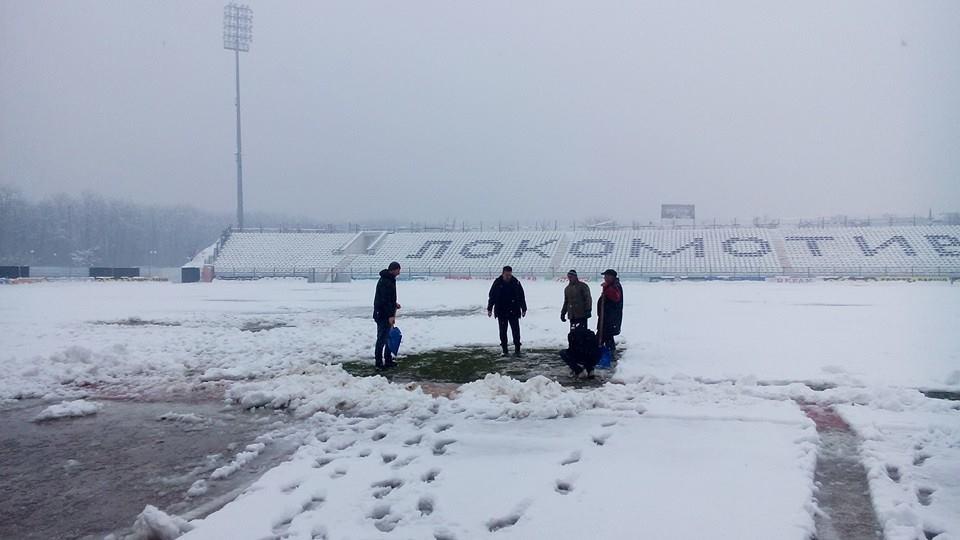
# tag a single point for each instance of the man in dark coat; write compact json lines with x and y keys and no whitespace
{"x":508,"y":303}
{"x":610,"y":308}
{"x":385,"y":308}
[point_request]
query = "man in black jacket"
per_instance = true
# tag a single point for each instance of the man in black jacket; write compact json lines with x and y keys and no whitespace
{"x":508,"y":303}
{"x":385,"y":308}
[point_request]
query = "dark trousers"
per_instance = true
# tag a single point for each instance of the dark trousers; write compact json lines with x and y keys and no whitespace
{"x":576,"y":363}
{"x":578,"y":322}
{"x":381,"y":350}
{"x":514,"y":323}
{"x":610,"y":343}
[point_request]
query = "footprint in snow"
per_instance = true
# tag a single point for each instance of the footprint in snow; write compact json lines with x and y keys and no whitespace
{"x":440,"y":447}
{"x":401,"y":463}
{"x":385,"y":487}
{"x":380,"y":511}
{"x":341,"y":446}
{"x":601,"y":439}
{"x":414,"y":441}
{"x":609,"y":424}
{"x":387,"y":524}
{"x":495,"y":524}
{"x":425,"y":505}
{"x":378,"y":435}
{"x":339,"y":473}
{"x":574,"y":457}
{"x":925,"y":496}
{"x":283,"y":525}
{"x":384,"y":520}
{"x":893,"y":473}
{"x":564,"y":487}
{"x":442,"y":427}
{"x":429,"y":476}
{"x":388,"y":457}
{"x":313,"y":503}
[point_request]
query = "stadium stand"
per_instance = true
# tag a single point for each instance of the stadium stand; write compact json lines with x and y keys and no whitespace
{"x":464,"y":254}
{"x":707,"y":252}
{"x":875,"y":250}
{"x":659,"y":251}
{"x":278,"y":251}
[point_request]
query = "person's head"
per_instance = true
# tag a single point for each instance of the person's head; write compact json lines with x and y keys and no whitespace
{"x":507,"y":273}
{"x":394,"y":268}
{"x":610,"y":276}
{"x":572,"y":276}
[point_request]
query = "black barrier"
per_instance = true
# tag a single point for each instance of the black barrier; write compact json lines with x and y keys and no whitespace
{"x":190,"y":275}
{"x":13,"y":272}
{"x":115,"y":273}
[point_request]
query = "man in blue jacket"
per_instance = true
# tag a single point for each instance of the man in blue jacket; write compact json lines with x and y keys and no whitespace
{"x":508,"y":303}
{"x":385,"y":308}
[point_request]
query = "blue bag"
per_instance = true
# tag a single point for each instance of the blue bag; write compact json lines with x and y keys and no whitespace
{"x":606,"y":358}
{"x":394,"y":339}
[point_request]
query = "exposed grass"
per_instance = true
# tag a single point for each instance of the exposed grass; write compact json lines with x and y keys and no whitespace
{"x":468,"y":364}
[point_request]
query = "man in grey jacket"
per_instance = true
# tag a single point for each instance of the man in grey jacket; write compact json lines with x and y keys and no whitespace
{"x":577,"y":301}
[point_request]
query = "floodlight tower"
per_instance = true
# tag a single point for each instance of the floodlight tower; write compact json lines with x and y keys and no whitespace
{"x":237,"y":35}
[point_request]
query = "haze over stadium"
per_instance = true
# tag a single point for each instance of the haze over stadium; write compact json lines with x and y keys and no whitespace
{"x":725,"y":240}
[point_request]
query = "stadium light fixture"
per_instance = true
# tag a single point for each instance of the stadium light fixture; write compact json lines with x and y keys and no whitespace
{"x":237,"y":36}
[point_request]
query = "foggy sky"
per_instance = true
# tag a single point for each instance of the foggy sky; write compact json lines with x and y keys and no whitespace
{"x":557,"y":109}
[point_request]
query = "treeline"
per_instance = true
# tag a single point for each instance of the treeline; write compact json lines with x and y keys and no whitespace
{"x":91,"y":230}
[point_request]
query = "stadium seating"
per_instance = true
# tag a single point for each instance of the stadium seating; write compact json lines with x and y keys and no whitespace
{"x":731,"y":251}
{"x":466,"y":253}
{"x":874,"y":250}
{"x":245,"y":251}
{"x":671,"y":251}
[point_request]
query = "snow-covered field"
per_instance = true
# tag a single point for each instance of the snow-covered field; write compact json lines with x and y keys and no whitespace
{"x":699,"y":435}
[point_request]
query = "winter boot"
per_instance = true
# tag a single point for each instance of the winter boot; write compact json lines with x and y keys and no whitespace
{"x":516,"y":351}
{"x":506,"y":350}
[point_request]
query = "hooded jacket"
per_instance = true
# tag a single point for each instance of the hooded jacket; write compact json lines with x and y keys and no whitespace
{"x":385,"y":299}
{"x":610,"y":307}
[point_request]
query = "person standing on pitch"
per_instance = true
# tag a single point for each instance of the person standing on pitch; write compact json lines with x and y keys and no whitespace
{"x":385,"y":308}
{"x":577,"y":302}
{"x":508,"y":303}
{"x":610,"y":309}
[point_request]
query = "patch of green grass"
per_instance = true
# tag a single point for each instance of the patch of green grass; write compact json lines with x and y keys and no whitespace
{"x":468,"y":364}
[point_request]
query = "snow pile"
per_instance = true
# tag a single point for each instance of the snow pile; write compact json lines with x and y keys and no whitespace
{"x":185,"y":418}
{"x":330,"y":390}
{"x":249,"y":454}
{"x":913,"y":466}
{"x":497,"y":396}
{"x":155,"y":524}
{"x":78,"y":367}
{"x":68,"y":409}
{"x":198,"y":488}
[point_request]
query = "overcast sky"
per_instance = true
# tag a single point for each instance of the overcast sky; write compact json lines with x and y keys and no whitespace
{"x":558,"y":109}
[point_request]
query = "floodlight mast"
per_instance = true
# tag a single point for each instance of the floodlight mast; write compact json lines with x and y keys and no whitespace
{"x":237,"y":35}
